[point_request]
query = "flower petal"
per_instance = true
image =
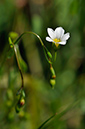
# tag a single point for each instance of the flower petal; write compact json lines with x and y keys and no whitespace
{"x":51,"y":33}
{"x":62,"y":43}
{"x":65,"y":36}
{"x":59,"y":32}
{"x":49,"y":39}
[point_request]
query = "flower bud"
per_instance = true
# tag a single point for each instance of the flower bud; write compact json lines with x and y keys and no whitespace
{"x":22,"y":102}
{"x":53,"y":76}
{"x":52,"y":71}
{"x":23,"y":94}
{"x":49,"y":54}
{"x":52,"y":82}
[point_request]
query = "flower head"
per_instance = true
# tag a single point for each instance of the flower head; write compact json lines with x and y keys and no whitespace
{"x":57,"y":36}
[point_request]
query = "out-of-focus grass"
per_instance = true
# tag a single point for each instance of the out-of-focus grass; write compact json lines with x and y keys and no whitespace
{"x":41,"y":100}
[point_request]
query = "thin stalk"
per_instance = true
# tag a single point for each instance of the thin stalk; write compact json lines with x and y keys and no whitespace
{"x":63,"y":112}
{"x":27,"y":32}
{"x":19,"y":67}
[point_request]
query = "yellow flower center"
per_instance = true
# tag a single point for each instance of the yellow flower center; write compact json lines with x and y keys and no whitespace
{"x":56,"y":42}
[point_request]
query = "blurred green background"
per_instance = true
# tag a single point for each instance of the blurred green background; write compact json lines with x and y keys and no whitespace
{"x":42,"y":101}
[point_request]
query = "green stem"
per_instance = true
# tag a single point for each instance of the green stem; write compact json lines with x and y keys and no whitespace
{"x":44,"y":47}
{"x":29,"y":32}
{"x":46,"y":52}
{"x":55,"y":56}
{"x":19,"y":67}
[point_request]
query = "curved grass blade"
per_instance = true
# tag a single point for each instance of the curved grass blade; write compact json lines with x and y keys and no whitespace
{"x":47,"y":121}
{"x":60,"y":114}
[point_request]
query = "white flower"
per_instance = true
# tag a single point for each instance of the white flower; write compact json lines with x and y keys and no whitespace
{"x":57,"y":36}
